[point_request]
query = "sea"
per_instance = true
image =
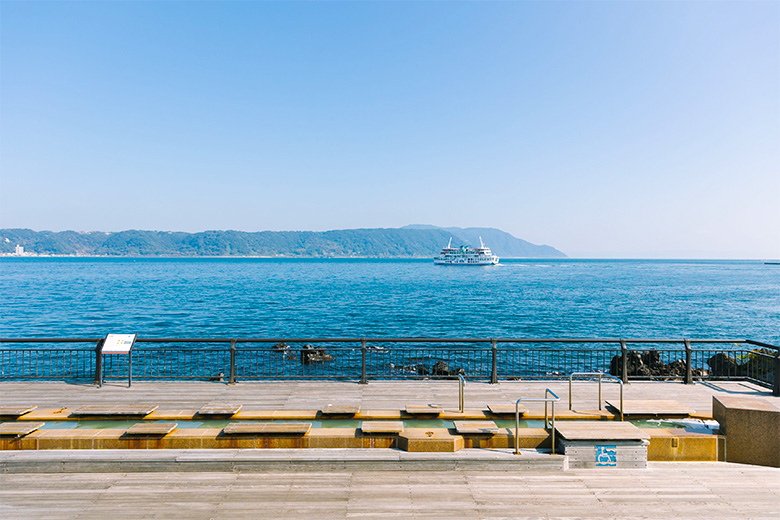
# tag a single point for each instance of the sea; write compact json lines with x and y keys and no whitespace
{"x":282,"y":298}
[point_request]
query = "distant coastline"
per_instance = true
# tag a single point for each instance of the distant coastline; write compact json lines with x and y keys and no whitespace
{"x":412,"y":242}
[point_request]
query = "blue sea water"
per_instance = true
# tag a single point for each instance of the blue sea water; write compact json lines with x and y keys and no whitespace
{"x":240,"y":297}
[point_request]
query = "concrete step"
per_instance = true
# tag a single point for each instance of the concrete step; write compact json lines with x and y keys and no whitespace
{"x":274,"y":460}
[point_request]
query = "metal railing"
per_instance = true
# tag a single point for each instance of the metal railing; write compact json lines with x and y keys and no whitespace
{"x":599,"y":375}
{"x":488,"y":359}
{"x":461,"y":393}
{"x":551,"y":425}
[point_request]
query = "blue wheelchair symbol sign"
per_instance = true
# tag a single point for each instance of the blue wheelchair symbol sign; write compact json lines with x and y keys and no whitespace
{"x":606,"y":455}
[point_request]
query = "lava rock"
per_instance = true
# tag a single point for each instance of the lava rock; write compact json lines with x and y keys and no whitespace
{"x":280,"y":347}
{"x":311,"y":355}
{"x":647,"y":364}
{"x":676,"y":368}
{"x":419,"y":369}
{"x":442,"y":368}
{"x":722,"y":364}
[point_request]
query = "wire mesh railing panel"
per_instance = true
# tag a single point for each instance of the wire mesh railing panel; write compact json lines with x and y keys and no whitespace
{"x":47,"y":364}
{"x":305,"y":362}
{"x":761,"y":366}
{"x":210,"y":364}
{"x":550,"y":363}
{"x":755,"y":364}
{"x":428,"y":363}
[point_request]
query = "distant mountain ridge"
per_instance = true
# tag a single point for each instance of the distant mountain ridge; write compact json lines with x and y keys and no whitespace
{"x":500,"y":242}
{"x":415,"y":241}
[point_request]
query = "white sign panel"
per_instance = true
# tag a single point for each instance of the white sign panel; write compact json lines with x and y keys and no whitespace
{"x":118,"y":343}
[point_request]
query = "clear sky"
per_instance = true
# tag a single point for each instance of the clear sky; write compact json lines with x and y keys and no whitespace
{"x":614,"y":129}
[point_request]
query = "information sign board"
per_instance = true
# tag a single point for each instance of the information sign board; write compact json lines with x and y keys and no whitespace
{"x":118,"y":343}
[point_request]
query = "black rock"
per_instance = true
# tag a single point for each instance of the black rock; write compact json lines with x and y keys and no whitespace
{"x":280,"y":347}
{"x":675,"y":368}
{"x":311,"y":355}
{"x":635,"y":365}
{"x":646,"y":364}
{"x":722,"y":364}
{"x":442,"y":368}
{"x":418,"y":369}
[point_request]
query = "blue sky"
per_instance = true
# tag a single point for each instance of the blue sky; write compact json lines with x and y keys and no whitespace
{"x":615,"y":129}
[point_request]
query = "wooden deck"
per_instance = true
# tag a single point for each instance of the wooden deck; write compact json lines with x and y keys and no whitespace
{"x":267,"y":428}
{"x":599,"y":431}
{"x":674,"y":490}
{"x":664,"y":491}
{"x":19,"y":428}
{"x":651,"y":407}
{"x":506,"y":409}
{"x":423,"y":409}
{"x":377,"y":395}
{"x":102,"y":410}
{"x":15,"y":411}
{"x":335,"y":409}
{"x":476,"y":427}
{"x":151,"y":429}
{"x":219,"y":409}
{"x":382,"y":426}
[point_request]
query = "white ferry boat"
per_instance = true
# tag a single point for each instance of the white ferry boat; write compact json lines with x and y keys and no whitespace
{"x":464,"y":255}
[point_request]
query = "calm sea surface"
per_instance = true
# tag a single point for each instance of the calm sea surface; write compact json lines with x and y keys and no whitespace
{"x":72,"y":297}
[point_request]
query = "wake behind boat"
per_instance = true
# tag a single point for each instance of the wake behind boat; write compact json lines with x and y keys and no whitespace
{"x":464,"y":255}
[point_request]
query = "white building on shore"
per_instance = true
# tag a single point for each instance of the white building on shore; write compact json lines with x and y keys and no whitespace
{"x":18,"y":250}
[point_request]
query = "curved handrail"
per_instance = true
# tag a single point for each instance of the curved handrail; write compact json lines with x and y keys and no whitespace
{"x":552,"y":423}
{"x":462,"y":393}
{"x":600,"y":375}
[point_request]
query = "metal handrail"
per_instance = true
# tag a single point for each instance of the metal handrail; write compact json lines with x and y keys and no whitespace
{"x":400,"y":340}
{"x":769,"y":377}
{"x":461,"y":393}
{"x":546,"y":400}
{"x":600,"y":375}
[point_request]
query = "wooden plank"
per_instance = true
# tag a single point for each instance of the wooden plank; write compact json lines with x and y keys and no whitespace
{"x":382,"y":426}
{"x":668,"y":490}
{"x":332,"y":409}
{"x":422,"y":409}
{"x":244,"y":428}
{"x":19,"y":428}
{"x":219,"y":409}
{"x":15,"y":411}
{"x":506,"y":409}
{"x":599,"y":430}
{"x":474,"y":427}
{"x":660,"y":407}
{"x":266,"y":428}
{"x":120,"y":409}
{"x":151,"y":428}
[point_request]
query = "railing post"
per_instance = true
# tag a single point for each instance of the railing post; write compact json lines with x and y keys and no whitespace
{"x":461,"y":393}
{"x":494,"y":368}
{"x":600,"y":398}
{"x":99,"y":363}
{"x":688,"y":362}
{"x":232,"y":375}
{"x":776,"y":387}
{"x":363,"y":376}
{"x":624,"y":356}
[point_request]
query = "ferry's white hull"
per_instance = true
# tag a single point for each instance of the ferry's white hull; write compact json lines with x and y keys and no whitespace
{"x":443,"y":262}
